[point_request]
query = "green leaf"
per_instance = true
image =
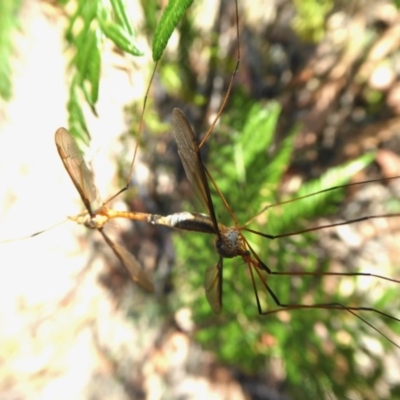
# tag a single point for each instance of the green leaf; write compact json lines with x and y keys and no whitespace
{"x":117,"y":33}
{"x":122,"y":17}
{"x":8,"y":22}
{"x":88,"y":64}
{"x":172,"y":14}
{"x":77,"y":123}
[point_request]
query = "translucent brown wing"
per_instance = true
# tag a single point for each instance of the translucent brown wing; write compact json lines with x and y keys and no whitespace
{"x":77,"y":169}
{"x":213,"y":286}
{"x":189,"y":153}
{"x":131,"y":264}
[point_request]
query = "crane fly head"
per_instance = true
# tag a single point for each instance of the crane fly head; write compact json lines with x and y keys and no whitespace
{"x":95,"y":221}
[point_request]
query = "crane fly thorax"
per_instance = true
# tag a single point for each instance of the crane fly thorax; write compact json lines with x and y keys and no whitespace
{"x":230,"y":244}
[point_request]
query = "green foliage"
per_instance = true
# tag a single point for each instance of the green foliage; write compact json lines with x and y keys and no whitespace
{"x":8,"y":22}
{"x":150,"y":10}
{"x":309,"y":23}
{"x":91,"y":23}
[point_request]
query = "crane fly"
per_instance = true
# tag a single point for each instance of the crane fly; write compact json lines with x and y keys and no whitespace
{"x":230,"y":242}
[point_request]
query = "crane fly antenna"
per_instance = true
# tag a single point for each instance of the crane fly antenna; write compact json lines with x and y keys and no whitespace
{"x":225,"y":100}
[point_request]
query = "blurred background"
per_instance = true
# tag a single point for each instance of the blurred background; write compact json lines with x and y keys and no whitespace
{"x":314,"y":104}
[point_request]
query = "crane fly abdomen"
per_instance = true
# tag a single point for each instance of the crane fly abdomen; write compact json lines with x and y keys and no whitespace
{"x":187,"y":221}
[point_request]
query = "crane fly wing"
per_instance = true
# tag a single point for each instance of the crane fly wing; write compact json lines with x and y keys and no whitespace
{"x":77,"y":169}
{"x":213,"y":286}
{"x":189,"y":153}
{"x":131,"y":264}
{"x":188,"y":149}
